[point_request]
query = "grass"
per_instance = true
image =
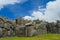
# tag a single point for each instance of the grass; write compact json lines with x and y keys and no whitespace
{"x":41,"y":37}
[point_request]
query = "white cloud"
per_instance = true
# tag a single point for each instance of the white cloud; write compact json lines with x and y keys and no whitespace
{"x":37,"y":15}
{"x":52,"y":12}
{"x":28,"y":17}
{"x":6,"y":2}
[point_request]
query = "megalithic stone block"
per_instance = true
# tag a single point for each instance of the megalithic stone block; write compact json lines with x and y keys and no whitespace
{"x":29,"y":29}
{"x":1,"y":32}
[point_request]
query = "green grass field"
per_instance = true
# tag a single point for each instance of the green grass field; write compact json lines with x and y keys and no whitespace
{"x":41,"y":37}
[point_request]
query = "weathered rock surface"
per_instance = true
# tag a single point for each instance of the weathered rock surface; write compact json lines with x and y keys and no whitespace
{"x":21,"y":27}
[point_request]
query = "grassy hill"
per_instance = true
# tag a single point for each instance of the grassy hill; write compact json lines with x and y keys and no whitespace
{"x":41,"y":37}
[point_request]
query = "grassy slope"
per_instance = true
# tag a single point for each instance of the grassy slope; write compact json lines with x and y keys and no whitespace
{"x":41,"y":37}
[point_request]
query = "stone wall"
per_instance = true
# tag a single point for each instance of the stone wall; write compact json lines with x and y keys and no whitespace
{"x":21,"y":27}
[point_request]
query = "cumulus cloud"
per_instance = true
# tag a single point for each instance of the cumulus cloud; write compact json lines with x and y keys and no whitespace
{"x":28,"y":17}
{"x":6,"y":2}
{"x":51,"y":13}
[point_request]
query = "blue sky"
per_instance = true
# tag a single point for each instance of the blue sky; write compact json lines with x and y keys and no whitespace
{"x":22,"y":9}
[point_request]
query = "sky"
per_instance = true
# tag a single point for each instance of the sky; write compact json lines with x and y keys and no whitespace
{"x":46,"y":10}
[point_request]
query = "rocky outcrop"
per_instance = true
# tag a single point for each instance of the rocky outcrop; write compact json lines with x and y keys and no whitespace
{"x":21,"y":27}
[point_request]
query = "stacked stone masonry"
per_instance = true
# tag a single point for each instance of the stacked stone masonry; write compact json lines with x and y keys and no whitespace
{"x":21,"y":27}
